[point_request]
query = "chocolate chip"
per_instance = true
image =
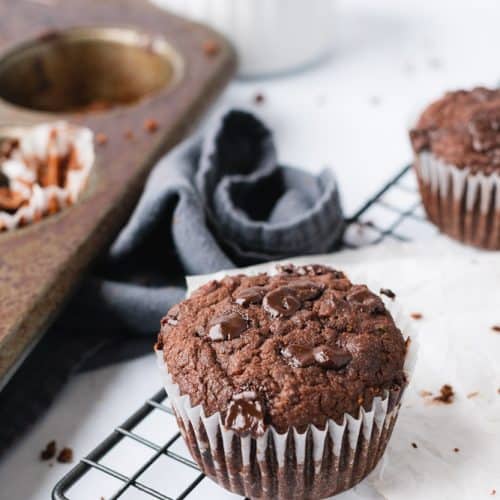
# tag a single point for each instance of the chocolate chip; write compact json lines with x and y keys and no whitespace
{"x":252,"y":295}
{"x":496,"y":328}
{"x":298,"y":355}
{"x":301,"y":356}
{"x":328,"y":357}
{"x":49,"y":452}
{"x":281,"y":302}
{"x":414,"y":445}
{"x":388,"y":293}
{"x":369,"y":301}
{"x":245,"y":414}
{"x":305,"y":289}
{"x":228,"y":326}
{"x":65,"y":456}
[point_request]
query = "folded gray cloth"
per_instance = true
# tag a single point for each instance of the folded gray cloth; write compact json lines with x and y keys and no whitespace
{"x":211,"y":204}
{"x":214,"y":202}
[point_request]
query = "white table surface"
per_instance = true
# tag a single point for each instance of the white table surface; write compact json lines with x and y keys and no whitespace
{"x":352,"y":113}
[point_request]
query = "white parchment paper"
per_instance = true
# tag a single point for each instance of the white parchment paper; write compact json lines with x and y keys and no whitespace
{"x":457,"y":290}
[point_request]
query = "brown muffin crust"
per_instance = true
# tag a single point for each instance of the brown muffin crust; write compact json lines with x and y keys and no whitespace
{"x":463,"y":129}
{"x":292,"y":349}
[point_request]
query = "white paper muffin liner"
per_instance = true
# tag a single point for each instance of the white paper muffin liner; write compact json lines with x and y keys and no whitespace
{"x":33,"y":143}
{"x":463,"y":204}
{"x":313,"y":464}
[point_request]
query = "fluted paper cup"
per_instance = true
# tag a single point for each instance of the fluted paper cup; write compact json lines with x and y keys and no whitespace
{"x":463,"y":204}
{"x":37,"y":144}
{"x":315,"y":463}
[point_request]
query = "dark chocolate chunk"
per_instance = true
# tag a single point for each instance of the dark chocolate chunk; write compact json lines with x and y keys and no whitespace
{"x":301,"y":356}
{"x":227,"y":326}
{"x":281,"y":302}
{"x":328,"y":357}
{"x":360,"y":294}
{"x":298,"y":355}
{"x":305,"y":289}
{"x":245,"y":414}
{"x":252,"y":295}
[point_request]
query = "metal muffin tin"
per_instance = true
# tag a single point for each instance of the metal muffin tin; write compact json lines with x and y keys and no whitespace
{"x":115,"y":67}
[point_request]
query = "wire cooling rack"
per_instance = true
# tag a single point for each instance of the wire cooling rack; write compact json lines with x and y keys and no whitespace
{"x":153,"y":461}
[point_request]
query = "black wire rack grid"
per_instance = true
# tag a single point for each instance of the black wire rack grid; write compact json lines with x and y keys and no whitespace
{"x":393,"y":213}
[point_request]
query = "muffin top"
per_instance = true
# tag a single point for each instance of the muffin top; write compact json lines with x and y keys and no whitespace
{"x":291,"y":349}
{"x":463,"y":129}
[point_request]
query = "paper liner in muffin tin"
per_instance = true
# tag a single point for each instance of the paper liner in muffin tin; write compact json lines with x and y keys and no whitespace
{"x":315,"y":463}
{"x":35,"y":143}
{"x":463,"y":204}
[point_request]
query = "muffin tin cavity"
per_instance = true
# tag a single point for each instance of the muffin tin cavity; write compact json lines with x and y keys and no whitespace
{"x":87,"y":69}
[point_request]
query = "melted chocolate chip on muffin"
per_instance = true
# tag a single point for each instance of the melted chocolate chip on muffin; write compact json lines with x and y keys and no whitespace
{"x":306,"y":344}
{"x":463,"y":129}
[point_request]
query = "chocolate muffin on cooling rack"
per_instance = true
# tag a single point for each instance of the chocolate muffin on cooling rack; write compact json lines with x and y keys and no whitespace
{"x":457,"y":160}
{"x":287,"y":385}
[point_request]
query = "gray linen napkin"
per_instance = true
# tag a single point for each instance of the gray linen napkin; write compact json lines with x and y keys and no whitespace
{"x":211,"y":204}
{"x":216,"y":201}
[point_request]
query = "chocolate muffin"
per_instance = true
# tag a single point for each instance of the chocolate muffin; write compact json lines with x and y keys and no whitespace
{"x":457,"y":160}
{"x":284,"y":386}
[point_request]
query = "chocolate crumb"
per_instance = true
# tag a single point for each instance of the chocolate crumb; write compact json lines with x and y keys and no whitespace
{"x":414,"y":445}
{"x":211,"y":48}
{"x":101,"y":138}
{"x":446,"y":395}
{"x":151,"y":125}
{"x":65,"y":456}
{"x":498,"y":390}
{"x":416,"y":315}
{"x":259,"y":98}
{"x":49,"y":452}
{"x":456,"y":450}
{"x":496,"y":328}
{"x":388,"y":293}
{"x":472,"y":394}
{"x":493,"y":492}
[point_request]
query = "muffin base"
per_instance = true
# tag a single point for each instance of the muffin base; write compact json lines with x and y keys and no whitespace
{"x":462,"y":204}
{"x":300,"y":476}
{"x":313,"y":464}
